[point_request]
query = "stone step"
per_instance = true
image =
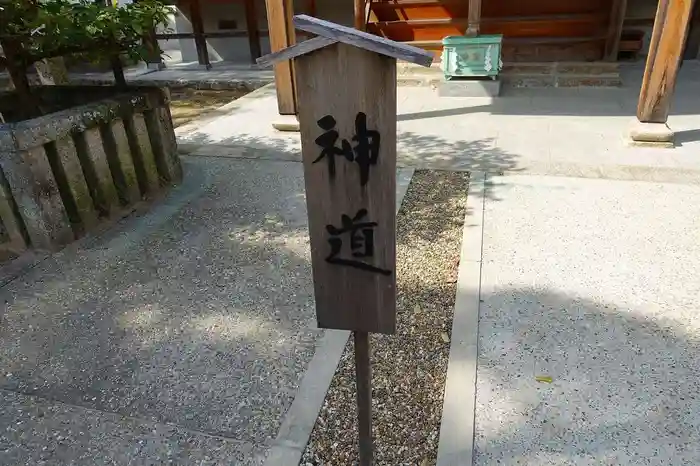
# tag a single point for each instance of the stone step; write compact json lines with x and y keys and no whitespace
{"x":556,"y":74}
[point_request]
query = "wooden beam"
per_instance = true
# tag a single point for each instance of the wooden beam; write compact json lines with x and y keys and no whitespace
{"x":295,"y":50}
{"x":200,"y":41}
{"x":355,"y":38}
{"x":360,"y":24}
{"x":370,"y":15}
{"x":663,"y":60}
{"x":208,"y":35}
{"x":617,"y":19}
{"x":251,"y":20}
{"x":474,"y":18}
{"x":279,"y":21}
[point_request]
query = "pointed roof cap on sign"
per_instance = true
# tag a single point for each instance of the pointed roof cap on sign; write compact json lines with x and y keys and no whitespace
{"x":330,"y":33}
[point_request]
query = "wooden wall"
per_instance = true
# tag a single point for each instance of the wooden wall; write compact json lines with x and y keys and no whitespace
{"x":534,"y":30}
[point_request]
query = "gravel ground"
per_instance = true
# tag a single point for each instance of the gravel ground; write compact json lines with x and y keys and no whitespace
{"x":409,"y":368}
{"x":188,"y":104}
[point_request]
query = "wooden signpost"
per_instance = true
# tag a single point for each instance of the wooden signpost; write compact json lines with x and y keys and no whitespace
{"x":346,"y":89}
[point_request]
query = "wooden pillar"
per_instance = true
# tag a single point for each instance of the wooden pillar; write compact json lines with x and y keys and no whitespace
{"x":200,"y":42}
{"x":360,"y":15}
{"x":251,"y":20}
{"x":665,"y":49}
{"x":617,"y":19}
{"x":692,"y":44}
{"x":311,"y":7}
{"x":281,"y":29}
{"x":474,"y":18}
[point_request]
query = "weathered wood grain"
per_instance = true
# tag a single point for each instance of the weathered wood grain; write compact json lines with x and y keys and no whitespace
{"x":363,"y":40}
{"x":200,"y":42}
{"x":616,"y":22}
{"x":251,"y":21}
{"x":295,"y":50}
{"x":342,"y":80}
{"x":278,"y":12}
{"x":663,"y":60}
{"x":359,"y":11}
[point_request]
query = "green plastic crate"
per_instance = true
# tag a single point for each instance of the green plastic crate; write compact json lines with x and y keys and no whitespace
{"x":472,"y":56}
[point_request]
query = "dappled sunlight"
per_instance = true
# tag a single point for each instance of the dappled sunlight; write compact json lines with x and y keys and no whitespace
{"x":231,"y":326}
{"x":428,"y":151}
{"x":199,"y":313}
{"x":145,"y":316}
{"x":274,"y":234}
{"x":624,"y":382}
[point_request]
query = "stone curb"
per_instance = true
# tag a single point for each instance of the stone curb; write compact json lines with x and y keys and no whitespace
{"x":456,"y":444}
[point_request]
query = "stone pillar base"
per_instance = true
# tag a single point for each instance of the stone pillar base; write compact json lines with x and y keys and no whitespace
{"x":651,"y":135}
{"x":286,"y":123}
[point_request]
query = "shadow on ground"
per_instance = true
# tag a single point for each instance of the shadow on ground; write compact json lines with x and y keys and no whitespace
{"x":431,"y":152}
{"x":199,"y":314}
{"x":591,"y":102}
{"x":624,"y":386}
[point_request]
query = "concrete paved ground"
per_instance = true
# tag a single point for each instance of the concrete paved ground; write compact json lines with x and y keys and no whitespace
{"x":588,"y":281}
{"x":184,"y":334}
{"x":593,"y":283}
{"x":178,"y":336}
{"x":563,"y":131}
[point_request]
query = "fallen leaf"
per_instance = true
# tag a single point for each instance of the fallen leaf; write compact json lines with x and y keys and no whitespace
{"x":543,"y":378}
{"x":445,"y":337}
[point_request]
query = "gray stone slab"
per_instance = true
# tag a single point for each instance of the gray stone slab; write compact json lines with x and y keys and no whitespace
{"x":594,"y":284}
{"x":75,"y":178}
{"x":163,"y":143}
{"x":10,"y":224}
{"x":141,"y":150}
{"x":36,"y":194}
{"x":469,"y":88}
{"x":123,"y":164}
{"x":35,"y":431}
{"x":99,"y":176}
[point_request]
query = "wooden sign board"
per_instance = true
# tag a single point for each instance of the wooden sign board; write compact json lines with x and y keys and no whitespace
{"x":346,"y":89}
{"x":347,"y":120}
